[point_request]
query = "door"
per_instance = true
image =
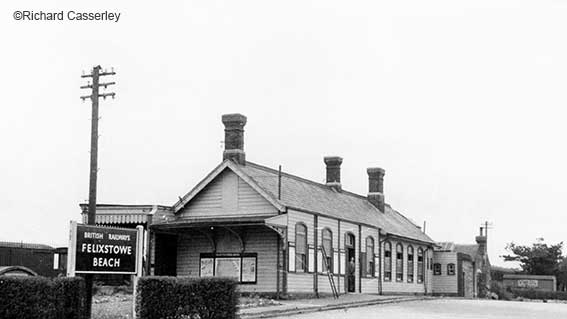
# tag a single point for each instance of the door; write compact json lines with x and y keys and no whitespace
{"x":165,"y":255}
{"x":351,"y":261}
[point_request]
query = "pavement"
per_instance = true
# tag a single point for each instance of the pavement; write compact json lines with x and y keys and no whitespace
{"x":447,"y":308}
{"x":302,"y":306}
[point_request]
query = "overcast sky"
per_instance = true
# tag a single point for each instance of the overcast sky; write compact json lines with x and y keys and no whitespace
{"x":461,"y":102}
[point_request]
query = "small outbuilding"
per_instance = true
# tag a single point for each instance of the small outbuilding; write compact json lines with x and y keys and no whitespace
{"x":461,"y":270}
{"x":536,"y":282}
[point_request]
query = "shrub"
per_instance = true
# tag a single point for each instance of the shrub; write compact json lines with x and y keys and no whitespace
{"x":539,"y":294}
{"x":178,"y":297}
{"x":499,"y":289}
{"x":40,"y":297}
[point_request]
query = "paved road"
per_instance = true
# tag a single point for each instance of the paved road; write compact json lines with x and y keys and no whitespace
{"x":449,"y":309}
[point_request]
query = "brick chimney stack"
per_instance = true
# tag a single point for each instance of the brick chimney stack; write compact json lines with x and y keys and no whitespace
{"x":234,"y":137}
{"x":481,"y":241}
{"x":333,"y":171}
{"x":376,"y":187}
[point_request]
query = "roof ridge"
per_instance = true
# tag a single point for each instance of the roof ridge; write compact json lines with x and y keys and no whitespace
{"x":303,"y":179}
{"x":16,"y":244}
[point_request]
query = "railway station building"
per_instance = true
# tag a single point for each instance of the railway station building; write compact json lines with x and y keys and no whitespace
{"x":278,"y":233}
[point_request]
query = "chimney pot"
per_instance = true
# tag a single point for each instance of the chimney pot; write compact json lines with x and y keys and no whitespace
{"x":333,"y":164}
{"x":234,"y":137}
{"x":376,"y":187}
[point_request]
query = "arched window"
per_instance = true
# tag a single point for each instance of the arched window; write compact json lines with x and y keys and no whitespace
{"x":410,"y":263}
{"x":437,"y":269}
{"x":369,"y":256}
{"x":420,"y":269}
{"x":387,"y":261}
{"x":399,"y":262}
{"x":451,"y":269}
{"x":300,"y":247}
{"x":327,"y":239}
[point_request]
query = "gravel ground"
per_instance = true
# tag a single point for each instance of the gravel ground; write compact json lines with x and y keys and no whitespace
{"x":450,"y":309}
{"x":112,"y":307}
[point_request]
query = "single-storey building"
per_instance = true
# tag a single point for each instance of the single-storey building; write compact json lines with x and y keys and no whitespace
{"x":461,"y":270}
{"x":275,"y":232}
{"x":536,"y":282}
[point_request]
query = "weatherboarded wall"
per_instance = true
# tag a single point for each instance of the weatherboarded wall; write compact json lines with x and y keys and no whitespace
{"x":297,"y":281}
{"x":227,"y":195}
{"x":259,"y":240}
{"x":400,"y":287}
{"x":369,"y":281}
{"x":443,"y":283}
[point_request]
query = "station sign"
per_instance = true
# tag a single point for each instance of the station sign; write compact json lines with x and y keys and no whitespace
{"x":104,"y":250}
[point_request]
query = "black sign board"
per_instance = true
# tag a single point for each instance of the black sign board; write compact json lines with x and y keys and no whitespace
{"x":105,"y":250}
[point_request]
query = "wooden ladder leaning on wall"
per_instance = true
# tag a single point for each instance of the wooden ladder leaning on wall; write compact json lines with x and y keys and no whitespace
{"x":329,"y":274}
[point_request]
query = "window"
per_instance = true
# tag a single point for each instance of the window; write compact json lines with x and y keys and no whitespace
{"x":436,"y":269}
{"x":420,"y":269}
{"x":451,"y":269}
{"x":387,"y":261}
{"x":349,"y":240}
{"x":241,"y":267}
{"x":55,"y":261}
{"x":369,"y":256}
{"x":399,"y":262}
{"x":300,"y":248}
{"x":410,"y":264}
{"x":327,"y":239}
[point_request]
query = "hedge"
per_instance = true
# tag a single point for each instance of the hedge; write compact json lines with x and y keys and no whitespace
{"x":40,"y":297}
{"x":179,"y":297}
{"x":540,"y":294}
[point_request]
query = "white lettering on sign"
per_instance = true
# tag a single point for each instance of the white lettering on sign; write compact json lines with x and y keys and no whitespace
{"x":527,"y":283}
{"x":118,"y":237}
{"x":106,"y":249}
{"x":106,"y":262}
{"x":94,"y":235}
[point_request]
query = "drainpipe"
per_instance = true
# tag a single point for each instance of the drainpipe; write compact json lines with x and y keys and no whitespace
{"x":380,"y":242}
{"x":285,"y":257}
{"x":360,"y":265}
{"x":339,"y":256}
{"x":315,"y":257}
{"x":426,"y":272}
{"x":278,"y":267}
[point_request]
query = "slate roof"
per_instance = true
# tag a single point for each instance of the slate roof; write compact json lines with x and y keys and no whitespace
{"x":303,"y":194}
{"x":445,"y":246}
{"x":471,"y":250}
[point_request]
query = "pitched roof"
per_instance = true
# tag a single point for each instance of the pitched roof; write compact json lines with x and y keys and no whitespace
{"x":9,"y":244}
{"x":534,"y":277}
{"x":471,"y":250}
{"x":445,"y":246}
{"x":303,"y":194}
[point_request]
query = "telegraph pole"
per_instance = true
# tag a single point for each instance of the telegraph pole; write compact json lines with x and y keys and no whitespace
{"x":486,"y":226}
{"x":95,"y":95}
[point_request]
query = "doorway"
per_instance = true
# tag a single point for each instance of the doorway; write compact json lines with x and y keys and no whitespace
{"x":165,"y":255}
{"x":350,"y":260}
